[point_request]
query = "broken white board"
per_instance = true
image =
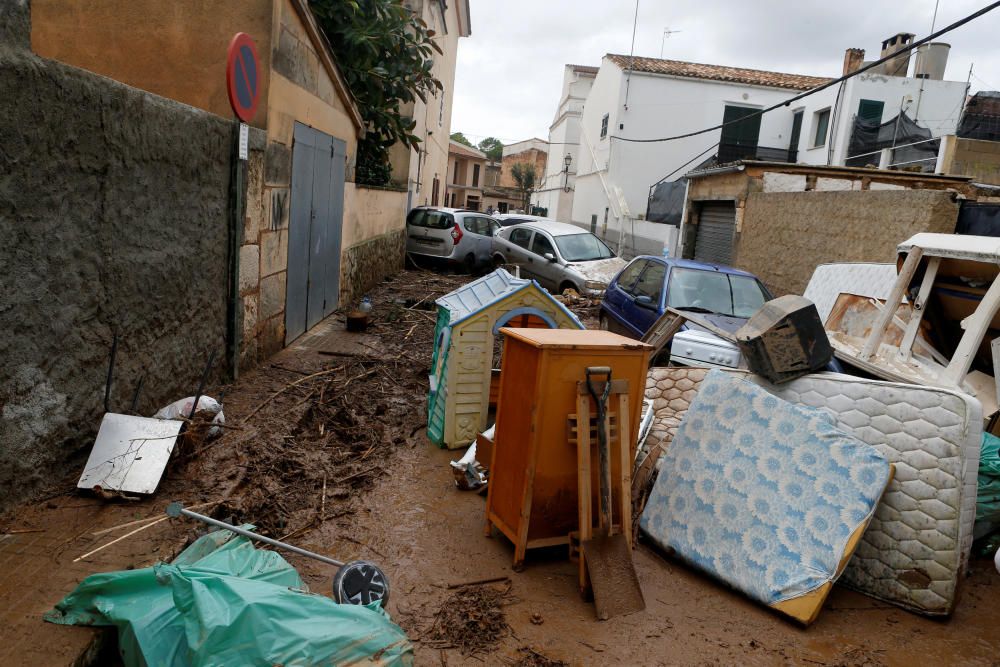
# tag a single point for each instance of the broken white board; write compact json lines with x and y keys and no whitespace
{"x":130,"y":454}
{"x":863,"y":279}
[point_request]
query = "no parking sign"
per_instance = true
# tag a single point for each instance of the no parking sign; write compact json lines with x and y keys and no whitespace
{"x":243,"y":76}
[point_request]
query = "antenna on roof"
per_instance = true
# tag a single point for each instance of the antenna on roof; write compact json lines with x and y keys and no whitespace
{"x":666,"y":33}
{"x":631,"y":53}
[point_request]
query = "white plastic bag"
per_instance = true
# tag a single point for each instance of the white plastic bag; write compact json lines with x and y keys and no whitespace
{"x":182,"y":410}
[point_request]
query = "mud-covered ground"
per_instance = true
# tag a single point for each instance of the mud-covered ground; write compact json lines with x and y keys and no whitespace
{"x":327,"y":448}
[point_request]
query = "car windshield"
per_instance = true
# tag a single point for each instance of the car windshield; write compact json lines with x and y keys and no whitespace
{"x":738,"y":296}
{"x":423,"y":217}
{"x":582,"y":247}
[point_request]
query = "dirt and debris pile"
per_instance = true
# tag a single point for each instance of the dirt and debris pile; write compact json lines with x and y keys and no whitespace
{"x":324,"y":426}
{"x":472,"y":619}
{"x":532,"y":658}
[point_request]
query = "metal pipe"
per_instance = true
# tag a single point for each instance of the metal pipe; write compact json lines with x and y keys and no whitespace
{"x":176,"y":509}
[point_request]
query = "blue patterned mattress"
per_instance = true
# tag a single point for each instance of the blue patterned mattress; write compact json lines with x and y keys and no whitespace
{"x":767,"y":496}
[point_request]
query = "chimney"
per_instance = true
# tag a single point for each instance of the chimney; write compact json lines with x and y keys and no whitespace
{"x":853,"y":59}
{"x":901,"y":64}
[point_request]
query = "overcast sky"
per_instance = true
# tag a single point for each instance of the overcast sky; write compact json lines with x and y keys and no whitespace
{"x":510,"y":70}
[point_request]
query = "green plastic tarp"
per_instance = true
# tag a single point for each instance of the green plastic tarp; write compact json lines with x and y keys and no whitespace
{"x":224,"y":602}
{"x":988,"y":493}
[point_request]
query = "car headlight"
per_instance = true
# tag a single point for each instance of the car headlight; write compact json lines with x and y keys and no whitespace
{"x":596,"y":285}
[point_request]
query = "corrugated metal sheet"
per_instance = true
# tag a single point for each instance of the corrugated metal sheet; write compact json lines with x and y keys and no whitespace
{"x":715,"y":233}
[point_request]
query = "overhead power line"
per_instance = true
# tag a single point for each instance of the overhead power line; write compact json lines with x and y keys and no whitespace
{"x":828,"y":84}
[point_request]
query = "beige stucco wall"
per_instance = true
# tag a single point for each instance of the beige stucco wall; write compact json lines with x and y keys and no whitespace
{"x":371,"y":212}
{"x":417,"y":169}
{"x":785,"y":235}
{"x":973,"y":157}
{"x":176,"y":49}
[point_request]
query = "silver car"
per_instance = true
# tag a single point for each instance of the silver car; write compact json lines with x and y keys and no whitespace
{"x":459,"y":236}
{"x":559,"y":256}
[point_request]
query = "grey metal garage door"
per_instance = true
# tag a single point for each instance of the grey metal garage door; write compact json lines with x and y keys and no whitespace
{"x":716,"y":233}
{"x":314,"y":229}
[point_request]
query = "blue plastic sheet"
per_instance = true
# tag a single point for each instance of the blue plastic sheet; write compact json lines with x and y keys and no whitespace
{"x":224,"y":602}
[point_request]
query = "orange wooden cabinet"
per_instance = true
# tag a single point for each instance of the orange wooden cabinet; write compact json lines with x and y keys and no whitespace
{"x":533,"y":472}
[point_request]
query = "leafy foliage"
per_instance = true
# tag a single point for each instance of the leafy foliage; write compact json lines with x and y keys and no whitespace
{"x":386,"y":53}
{"x":492,"y":147}
{"x":526,"y":179}
{"x":461,"y":138}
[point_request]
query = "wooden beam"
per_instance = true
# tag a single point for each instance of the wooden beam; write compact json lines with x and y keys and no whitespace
{"x":892,"y":304}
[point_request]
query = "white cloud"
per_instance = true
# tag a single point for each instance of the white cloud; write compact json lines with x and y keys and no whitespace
{"x":510,"y":69}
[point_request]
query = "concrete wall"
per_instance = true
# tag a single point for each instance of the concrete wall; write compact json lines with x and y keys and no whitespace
{"x":114,"y":210}
{"x":783,"y":236}
{"x":972,"y":157}
{"x":180,"y":55}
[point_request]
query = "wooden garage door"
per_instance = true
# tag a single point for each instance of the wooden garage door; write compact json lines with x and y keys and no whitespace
{"x":716,"y":233}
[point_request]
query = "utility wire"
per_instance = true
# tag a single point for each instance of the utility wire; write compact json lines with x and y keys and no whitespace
{"x":828,"y":84}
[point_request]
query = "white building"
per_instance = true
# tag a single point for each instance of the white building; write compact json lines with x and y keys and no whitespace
{"x":647,"y":98}
{"x":556,"y":191}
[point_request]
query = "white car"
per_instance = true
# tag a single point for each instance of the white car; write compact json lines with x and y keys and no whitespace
{"x":559,"y":256}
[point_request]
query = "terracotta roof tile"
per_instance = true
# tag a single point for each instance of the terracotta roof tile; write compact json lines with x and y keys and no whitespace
{"x":754,"y":77}
{"x":462,"y":149}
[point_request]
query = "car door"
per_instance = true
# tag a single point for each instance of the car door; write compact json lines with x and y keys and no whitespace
{"x":479,"y":227}
{"x":546,"y":271}
{"x":516,"y":248}
{"x":619,"y":298}
{"x":646,"y":303}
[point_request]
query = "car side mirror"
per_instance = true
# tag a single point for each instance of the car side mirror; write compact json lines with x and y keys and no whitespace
{"x":645,"y":302}
{"x":549,"y":256}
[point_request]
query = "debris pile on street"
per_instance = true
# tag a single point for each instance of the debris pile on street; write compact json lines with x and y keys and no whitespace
{"x":472,"y":619}
{"x":532,"y":658}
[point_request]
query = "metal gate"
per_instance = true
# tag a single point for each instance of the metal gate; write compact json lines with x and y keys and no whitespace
{"x":716,"y":232}
{"x":315,"y":221}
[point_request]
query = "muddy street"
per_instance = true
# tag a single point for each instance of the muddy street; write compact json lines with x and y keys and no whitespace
{"x":328,"y":449}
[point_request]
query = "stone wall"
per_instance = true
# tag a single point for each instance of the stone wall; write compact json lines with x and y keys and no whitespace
{"x":365,"y":265}
{"x":783,"y":236}
{"x":114,"y":210}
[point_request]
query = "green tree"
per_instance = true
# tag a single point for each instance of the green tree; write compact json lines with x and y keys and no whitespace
{"x":492,"y":147}
{"x":526,"y":179}
{"x":385,"y":53}
{"x":461,"y":138}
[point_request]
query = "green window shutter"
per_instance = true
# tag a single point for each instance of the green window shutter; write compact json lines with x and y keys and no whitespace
{"x":871,"y":110}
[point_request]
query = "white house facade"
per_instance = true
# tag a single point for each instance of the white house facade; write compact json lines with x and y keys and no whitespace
{"x":556,"y":191}
{"x":634,"y":99}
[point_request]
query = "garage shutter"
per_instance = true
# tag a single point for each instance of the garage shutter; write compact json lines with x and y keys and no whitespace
{"x":716,"y":230}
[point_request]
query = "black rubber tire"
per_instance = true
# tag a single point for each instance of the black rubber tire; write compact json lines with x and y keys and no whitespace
{"x":361,"y":582}
{"x":470,"y":263}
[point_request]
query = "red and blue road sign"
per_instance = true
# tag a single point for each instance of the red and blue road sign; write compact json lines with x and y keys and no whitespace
{"x":243,"y":76}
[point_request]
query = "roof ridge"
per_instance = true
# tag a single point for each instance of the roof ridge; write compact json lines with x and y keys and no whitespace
{"x":749,"y":75}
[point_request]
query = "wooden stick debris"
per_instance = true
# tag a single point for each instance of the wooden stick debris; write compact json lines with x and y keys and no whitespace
{"x":119,"y":539}
{"x":478,"y":582}
{"x":286,"y":388}
{"x":148,"y":519}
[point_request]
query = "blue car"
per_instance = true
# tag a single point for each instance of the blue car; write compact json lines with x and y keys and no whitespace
{"x":643,"y":290}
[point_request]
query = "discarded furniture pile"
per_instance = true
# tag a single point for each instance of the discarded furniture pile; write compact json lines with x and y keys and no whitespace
{"x":778,"y":479}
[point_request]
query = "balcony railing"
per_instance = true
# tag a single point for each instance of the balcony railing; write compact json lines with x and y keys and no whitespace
{"x":734,"y":152}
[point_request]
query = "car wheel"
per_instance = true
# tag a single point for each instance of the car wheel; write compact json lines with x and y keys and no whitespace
{"x":470,"y":263}
{"x":498,"y":261}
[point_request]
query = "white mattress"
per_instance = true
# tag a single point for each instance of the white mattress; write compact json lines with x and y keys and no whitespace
{"x":830,"y":280}
{"x":917,"y":547}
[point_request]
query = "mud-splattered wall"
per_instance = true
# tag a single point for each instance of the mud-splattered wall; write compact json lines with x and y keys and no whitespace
{"x":785,"y":235}
{"x":113,"y":211}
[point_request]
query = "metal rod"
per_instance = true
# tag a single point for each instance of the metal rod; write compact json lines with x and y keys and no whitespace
{"x":111,"y":372}
{"x":176,"y":510}
{"x":201,"y":385}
